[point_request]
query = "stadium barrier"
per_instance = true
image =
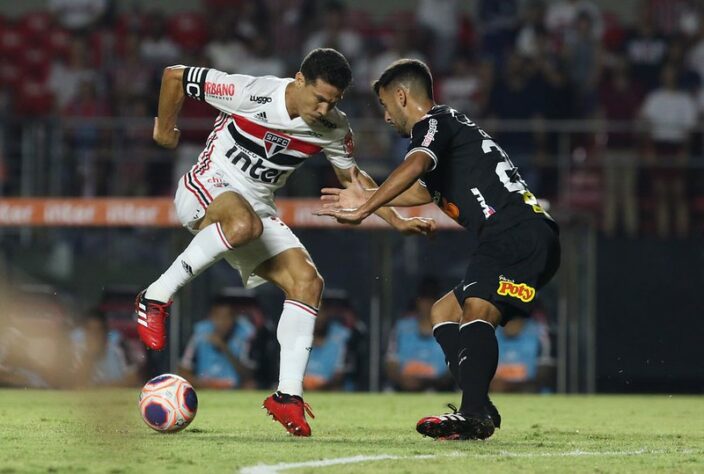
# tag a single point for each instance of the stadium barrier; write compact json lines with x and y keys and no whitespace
{"x":159,"y":212}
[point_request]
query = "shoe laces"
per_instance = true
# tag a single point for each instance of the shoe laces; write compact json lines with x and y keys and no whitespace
{"x":453,"y":408}
{"x":308,"y":410}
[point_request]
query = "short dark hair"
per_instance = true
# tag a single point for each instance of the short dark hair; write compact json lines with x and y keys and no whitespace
{"x":406,"y":70}
{"x":328,"y":65}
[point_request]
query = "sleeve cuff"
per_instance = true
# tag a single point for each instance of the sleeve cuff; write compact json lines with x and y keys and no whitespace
{"x":427,"y":151}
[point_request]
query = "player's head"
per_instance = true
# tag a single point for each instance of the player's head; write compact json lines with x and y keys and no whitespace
{"x":324,"y":76}
{"x":404,"y":89}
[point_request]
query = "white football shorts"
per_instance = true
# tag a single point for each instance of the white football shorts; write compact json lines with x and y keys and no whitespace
{"x":197,"y":190}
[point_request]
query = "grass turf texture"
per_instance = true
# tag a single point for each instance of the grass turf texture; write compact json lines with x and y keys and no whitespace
{"x":101,"y":431}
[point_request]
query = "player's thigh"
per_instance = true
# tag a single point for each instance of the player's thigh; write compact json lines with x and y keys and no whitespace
{"x":235,"y":214}
{"x":446,"y":309}
{"x":295,"y":273}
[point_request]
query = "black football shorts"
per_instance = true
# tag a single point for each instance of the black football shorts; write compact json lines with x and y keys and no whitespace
{"x":509,"y":268}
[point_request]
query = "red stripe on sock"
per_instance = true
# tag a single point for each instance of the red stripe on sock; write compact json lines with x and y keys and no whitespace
{"x":222,"y":236}
{"x":302,"y":306}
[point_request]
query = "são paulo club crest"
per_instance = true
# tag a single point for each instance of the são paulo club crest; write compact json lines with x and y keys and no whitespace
{"x":274,"y":144}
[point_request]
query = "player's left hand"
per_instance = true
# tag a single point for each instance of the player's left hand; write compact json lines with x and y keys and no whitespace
{"x":416,"y":225}
{"x":343,"y":216}
{"x":351,"y":197}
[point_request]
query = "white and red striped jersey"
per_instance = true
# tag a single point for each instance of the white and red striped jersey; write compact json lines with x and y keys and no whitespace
{"x":255,"y":143}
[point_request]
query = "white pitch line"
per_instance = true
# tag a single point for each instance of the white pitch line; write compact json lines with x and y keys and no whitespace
{"x":275,"y":468}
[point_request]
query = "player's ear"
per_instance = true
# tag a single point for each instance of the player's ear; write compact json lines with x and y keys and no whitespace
{"x":402,"y":96}
{"x":300,"y":79}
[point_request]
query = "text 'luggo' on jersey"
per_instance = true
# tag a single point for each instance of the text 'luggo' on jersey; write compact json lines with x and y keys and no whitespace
{"x":255,"y":143}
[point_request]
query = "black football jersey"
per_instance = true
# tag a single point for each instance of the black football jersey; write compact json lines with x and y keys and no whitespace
{"x":472,"y":178}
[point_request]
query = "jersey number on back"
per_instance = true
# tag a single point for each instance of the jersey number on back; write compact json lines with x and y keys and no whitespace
{"x":507,"y":174}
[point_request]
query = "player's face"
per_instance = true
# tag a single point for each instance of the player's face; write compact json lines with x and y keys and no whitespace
{"x":394,"y":114}
{"x":315,"y":99}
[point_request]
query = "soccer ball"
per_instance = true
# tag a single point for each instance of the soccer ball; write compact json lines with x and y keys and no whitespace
{"x":168,"y":403}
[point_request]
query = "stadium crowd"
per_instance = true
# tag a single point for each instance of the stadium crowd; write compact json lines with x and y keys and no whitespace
{"x":46,"y":342}
{"x":637,"y":80}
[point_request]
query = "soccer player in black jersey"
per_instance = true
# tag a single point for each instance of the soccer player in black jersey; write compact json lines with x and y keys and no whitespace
{"x":457,"y":165}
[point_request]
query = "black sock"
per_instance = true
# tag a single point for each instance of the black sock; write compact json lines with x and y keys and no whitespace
{"x":448,"y":336}
{"x":478,"y":358}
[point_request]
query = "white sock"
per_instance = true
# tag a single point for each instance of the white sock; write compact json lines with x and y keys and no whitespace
{"x":295,"y":334}
{"x":207,"y":247}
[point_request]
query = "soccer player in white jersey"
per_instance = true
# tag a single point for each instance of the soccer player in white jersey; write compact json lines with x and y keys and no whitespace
{"x":266,"y":128}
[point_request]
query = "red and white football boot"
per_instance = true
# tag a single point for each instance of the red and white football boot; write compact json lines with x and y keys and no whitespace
{"x":151,"y":321}
{"x":290,"y":411}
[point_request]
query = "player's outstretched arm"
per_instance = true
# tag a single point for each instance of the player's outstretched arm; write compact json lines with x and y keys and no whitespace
{"x":401,"y":179}
{"x":358,"y":187}
{"x":352,"y":197}
{"x":171,"y":96}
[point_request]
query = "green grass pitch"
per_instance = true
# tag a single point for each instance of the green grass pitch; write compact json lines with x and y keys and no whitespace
{"x":101,"y":431}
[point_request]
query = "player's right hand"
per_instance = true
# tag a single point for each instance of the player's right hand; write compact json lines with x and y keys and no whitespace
{"x":165,"y":138}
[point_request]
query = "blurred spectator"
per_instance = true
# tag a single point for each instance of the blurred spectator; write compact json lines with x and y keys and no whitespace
{"x":130,"y":79}
{"x":440,"y":20}
{"x":517,"y":96}
{"x":400,"y":46}
{"x":328,"y":358}
{"x":695,"y":56}
{"x":524,"y":356}
{"x":532,"y":23}
{"x":561,"y":18}
{"x":218,"y":354}
{"x":34,"y":341}
{"x":99,"y":356}
{"x":156,"y":48}
{"x":414,"y":360}
{"x":78,"y":15}
{"x":671,"y":115}
{"x":66,"y":77}
{"x":226,"y":49}
{"x":260,"y":60}
{"x":583,"y":53}
{"x":334,"y":33}
{"x":89,"y":139}
{"x":620,"y":103}
{"x":646,"y":51}
{"x":467,"y":87}
{"x":670,"y":16}
{"x":498,"y":22}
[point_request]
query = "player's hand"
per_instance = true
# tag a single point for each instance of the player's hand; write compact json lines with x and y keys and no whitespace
{"x":343,"y":216}
{"x":416,"y":225}
{"x":167,"y":139}
{"x":351,"y":197}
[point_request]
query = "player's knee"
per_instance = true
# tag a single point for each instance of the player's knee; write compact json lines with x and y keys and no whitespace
{"x":309,"y":283}
{"x":475,"y":309}
{"x":439,"y":315}
{"x":242,"y":229}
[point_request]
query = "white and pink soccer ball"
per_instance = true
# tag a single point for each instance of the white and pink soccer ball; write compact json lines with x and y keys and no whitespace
{"x":168,"y":403}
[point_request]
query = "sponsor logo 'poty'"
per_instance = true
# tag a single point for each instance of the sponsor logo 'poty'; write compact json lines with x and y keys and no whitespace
{"x":521,"y":291}
{"x":222,"y":90}
{"x":274,"y":144}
